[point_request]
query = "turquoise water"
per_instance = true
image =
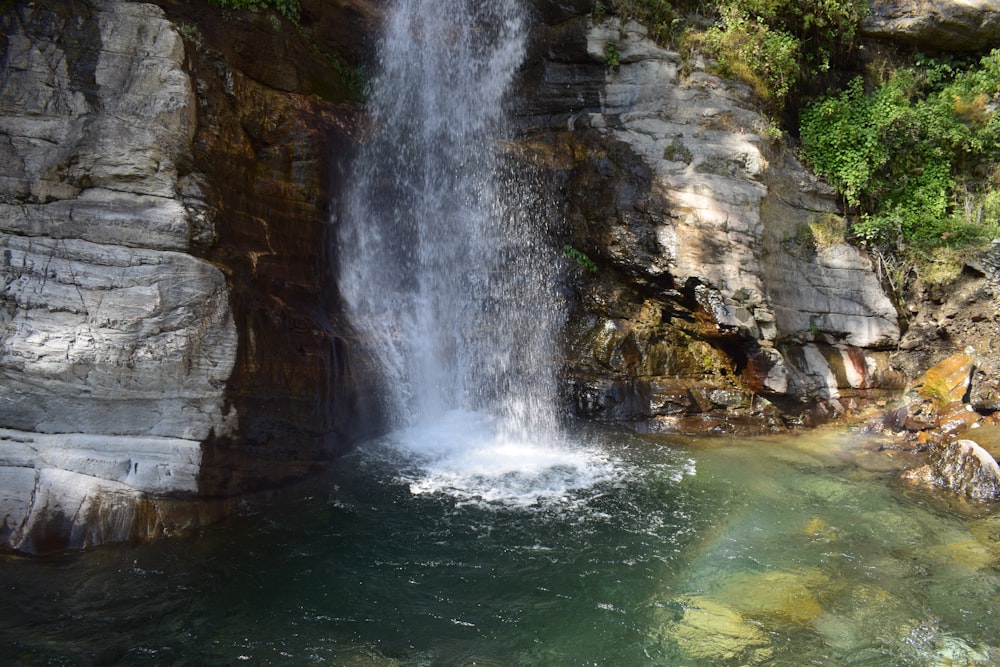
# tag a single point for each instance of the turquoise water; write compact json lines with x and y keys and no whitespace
{"x":610,"y":549}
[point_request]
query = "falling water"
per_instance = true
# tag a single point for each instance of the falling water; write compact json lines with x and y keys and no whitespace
{"x":445,"y":268}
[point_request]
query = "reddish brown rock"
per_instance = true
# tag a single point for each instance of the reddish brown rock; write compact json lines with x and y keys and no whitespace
{"x":947,"y":381}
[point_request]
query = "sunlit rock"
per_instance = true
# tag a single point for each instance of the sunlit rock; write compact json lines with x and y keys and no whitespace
{"x":969,"y":554}
{"x":962,"y":467}
{"x":947,"y":381}
{"x":857,"y":615}
{"x":970,"y":25}
{"x":819,"y":530}
{"x":115,"y":345}
{"x":677,"y":194}
{"x":778,"y":597}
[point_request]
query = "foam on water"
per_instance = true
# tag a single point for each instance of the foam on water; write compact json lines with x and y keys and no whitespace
{"x":465,"y":455}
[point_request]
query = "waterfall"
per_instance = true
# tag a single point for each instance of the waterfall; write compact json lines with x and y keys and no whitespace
{"x":445,"y":267}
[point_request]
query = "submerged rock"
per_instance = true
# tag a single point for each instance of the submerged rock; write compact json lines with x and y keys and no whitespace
{"x":712,"y":632}
{"x":776,"y":597}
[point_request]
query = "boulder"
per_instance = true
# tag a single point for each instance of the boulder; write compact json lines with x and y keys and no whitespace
{"x":940,"y":25}
{"x":947,"y":381}
{"x":962,"y":467}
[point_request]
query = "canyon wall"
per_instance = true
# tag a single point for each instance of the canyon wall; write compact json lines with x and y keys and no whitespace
{"x":169,"y":329}
{"x":712,"y":302}
{"x":171,"y":336}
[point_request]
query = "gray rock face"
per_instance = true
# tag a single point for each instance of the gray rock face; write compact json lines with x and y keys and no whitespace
{"x":681,"y":192}
{"x":115,"y":345}
{"x":970,"y":25}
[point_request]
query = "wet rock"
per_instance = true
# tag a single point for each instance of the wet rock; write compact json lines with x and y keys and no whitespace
{"x":674,"y":192}
{"x":775,"y":597}
{"x":962,"y":467}
{"x":970,"y":554}
{"x":935,"y":410}
{"x":947,"y":381}
{"x":987,"y":435}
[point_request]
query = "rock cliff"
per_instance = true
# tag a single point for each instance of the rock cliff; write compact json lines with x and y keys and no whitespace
{"x":712,"y":292}
{"x":938,"y":25}
{"x":169,"y":327}
{"x":171,"y":336}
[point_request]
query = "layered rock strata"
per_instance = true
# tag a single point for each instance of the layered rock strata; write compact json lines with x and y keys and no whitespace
{"x":712,"y":289}
{"x":938,"y":25}
{"x":168,"y":325}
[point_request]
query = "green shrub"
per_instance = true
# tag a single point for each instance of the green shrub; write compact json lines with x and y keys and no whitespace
{"x":909,"y":155}
{"x":290,"y":9}
{"x":611,"y":56}
{"x":580,"y":258}
{"x":774,"y":45}
{"x":676,"y":151}
{"x":747,"y":49}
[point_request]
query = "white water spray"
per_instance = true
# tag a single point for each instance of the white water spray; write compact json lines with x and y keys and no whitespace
{"x":444,"y":266}
{"x":447,"y":270}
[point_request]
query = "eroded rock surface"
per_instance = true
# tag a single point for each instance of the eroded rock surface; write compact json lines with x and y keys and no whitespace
{"x":115,"y":345}
{"x":969,"y":25}
{"x":709,"y":292}
{"x":962,"y":467}
{"x":169,"y":329}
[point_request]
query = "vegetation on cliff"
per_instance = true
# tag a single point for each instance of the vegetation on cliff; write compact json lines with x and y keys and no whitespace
{"x":915,"y":154}
{"x":914,"y":149}
{"x":774,"y":45}
{"x":288,"y":8}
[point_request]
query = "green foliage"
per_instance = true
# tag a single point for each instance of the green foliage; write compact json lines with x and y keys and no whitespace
{"x":909,"y":155}
{"x":824,"y":230}
{"x":189,"y":31}
{"x":748,"y":49}
{"x":611,"y":55}
{"x":774,"y":45}
{"x":658,"y":15}
{"x":290,"y":9}
{"x":677,"y":152}
{"x":580,"y":258}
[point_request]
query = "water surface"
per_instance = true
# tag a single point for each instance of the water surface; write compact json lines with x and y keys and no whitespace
{"x":605,"y":549}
